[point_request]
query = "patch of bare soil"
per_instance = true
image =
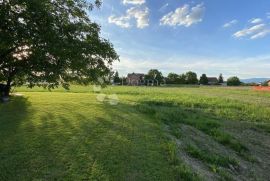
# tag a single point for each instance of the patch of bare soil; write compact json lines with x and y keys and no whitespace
{"x":196,"y":165}
{"x":258,"y":144}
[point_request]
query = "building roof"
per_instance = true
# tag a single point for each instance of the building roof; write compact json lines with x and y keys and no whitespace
{"x":135,"y":74}
{"x":212,"y":79}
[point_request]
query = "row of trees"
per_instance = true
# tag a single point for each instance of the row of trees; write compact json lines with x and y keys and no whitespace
{"x":187,"y":78}
{"x":174,"y":78}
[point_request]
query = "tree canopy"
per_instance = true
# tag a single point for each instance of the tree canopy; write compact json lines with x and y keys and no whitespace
{"x":191,"y":78}
{"x":50,"y":43}
{"x":233,"y":81}
{"x":172,"y":78}
{"x":220,"y":79}
{"x":185,"y":78}
{"x":182,"y":78}
{"x":154,"y":74}
{"x":203,"y":79}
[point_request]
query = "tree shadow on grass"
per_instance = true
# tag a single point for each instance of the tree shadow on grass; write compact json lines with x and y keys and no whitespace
{"x":12,"y":115}
{"x":122,"y":145}
{"x":117,"y":144}
{"x":17,"y":109}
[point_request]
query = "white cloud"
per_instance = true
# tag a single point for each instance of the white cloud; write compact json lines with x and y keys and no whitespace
{"x":260,"y":34}
{"x":256,"y":20}
{"x":254,"y":32}
{"x":121,"y":21}
{"x":248,"y":31}
{"x":184,"y":16}
{"x":141,"y":15}
{"x":134,"y":2}
{"x":231,"y":23}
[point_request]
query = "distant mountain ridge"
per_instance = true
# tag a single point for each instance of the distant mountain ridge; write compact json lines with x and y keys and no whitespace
{"x":255,"y":80}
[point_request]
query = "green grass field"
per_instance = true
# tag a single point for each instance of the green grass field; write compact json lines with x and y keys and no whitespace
{"x":181,"y":133}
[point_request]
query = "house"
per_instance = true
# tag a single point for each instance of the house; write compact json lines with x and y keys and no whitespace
{"x":135,"y":79}
{"x":212,"y":80}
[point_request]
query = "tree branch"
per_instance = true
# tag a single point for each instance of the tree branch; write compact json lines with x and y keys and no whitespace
{"x":3,"y":55}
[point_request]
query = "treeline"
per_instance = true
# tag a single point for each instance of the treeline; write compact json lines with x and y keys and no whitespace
{"x":174,"y":78}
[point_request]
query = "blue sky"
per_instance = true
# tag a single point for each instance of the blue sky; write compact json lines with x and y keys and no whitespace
{"x":208,"y":36}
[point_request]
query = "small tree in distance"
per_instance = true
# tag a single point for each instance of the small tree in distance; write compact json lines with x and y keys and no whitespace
{"x":220,"y":79}
{"x":233,"y":81}
{"x":116,"y":78}
{"x":172,"y":78}
{"x":123,"y":80}
{"x":155,"y":74}
{"x":191,"y":78}
{"x":203,"y":79}
{"x":182,"y":79}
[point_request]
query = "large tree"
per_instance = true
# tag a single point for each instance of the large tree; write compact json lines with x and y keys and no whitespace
{"x":50,"y":43}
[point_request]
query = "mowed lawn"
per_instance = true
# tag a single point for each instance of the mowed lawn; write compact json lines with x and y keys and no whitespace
{"x":136,"y":133}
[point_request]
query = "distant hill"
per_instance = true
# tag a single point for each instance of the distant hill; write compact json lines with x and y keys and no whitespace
{"x":254,"y":80}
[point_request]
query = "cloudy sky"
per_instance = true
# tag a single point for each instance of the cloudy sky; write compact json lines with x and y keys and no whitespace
{"x":208,"y":36}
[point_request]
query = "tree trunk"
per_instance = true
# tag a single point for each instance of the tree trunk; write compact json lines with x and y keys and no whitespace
{"x":7,"y":88}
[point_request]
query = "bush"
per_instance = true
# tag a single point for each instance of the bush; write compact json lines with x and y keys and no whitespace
{"x":265,"y":83}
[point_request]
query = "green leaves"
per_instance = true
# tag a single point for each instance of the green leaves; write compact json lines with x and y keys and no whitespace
{"x":233,"y":81}
{"x":204,"y":79}
{"x":65,"y":45}
{"x":154,"y":74}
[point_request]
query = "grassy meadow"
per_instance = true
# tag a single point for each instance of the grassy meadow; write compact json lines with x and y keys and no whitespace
{"x":136,"y":133}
